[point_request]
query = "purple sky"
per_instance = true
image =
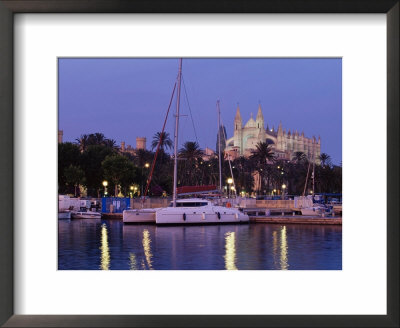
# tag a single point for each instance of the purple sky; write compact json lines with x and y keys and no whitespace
{"x":126,"y":97}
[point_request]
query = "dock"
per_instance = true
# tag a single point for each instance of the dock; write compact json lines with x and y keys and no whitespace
{"x":111,"y":216}
{"x":296,"y":219}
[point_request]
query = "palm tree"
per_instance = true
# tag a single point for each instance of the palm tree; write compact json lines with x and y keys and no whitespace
{"x":191,"y":151}
{"x":190,"y":172}
{"x":162,"y":138}
{"x":83,"y":142}
{"x":95,"y":139}
{"x":325,"y":159}
{"x":110,"y":143}
{"x":299,"y":157}
{"x":260,"y":156}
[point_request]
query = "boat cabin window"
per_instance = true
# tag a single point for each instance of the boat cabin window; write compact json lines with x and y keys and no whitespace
{"x":189,"y":204}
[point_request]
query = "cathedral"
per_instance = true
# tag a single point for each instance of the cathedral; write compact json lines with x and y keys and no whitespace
{"x":284,"y":144}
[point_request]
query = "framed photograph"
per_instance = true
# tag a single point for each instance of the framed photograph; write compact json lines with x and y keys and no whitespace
{"x":194,"y":155}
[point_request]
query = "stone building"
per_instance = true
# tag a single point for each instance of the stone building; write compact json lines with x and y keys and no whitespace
{"x":140,"y":144}
{"x":284,"y":144}
{"x":60,"y":136}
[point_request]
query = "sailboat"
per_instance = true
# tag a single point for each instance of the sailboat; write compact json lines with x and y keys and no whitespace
{"x":194,"y":210}
{"x":188,"y":210}
{"x":306,"y":204}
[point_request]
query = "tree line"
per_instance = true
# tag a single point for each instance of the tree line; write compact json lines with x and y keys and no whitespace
{"x":93,"y":159}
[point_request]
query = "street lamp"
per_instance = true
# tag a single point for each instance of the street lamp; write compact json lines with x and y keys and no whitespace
{"x":146,"y":165}
{"x":230,"y":181}
{"x":105,"y":184}
{"x":283,"y":191}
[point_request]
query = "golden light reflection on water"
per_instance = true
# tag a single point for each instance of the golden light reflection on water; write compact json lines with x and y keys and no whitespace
{"x":284,"y":249}
{"x":275,"y":248}
{"x":132,"y":261}
{"x":105,"y":250}
{"x":230,"y":251}
{"x":147,"y":248}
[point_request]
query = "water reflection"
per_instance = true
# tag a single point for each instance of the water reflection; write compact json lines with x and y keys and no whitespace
{"x":284,"y":249}
{"x":275,"y":248}
{"x":87,"y":245}
{"x":105,"y":250}
{"x":230,"y":251}
{"x":132,"y":261}
{"x":147,"y":248}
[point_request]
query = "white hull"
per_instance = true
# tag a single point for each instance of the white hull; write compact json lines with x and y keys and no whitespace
{"x":86,"y":215}
{"x":145,"y":215}
{"x":200,"y":215}
{"x":315,"y":211}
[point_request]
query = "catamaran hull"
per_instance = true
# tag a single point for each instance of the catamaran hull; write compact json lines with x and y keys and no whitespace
{"x":189,"y":217}
{"x":139,"y":216}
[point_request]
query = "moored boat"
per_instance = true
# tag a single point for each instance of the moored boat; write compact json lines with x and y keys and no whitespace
{"x":86,"y":215}
{"x":198,"y":211}
{"x":64,"y":215}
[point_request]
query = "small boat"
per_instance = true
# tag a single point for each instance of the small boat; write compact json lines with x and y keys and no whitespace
{"x":64,"y":215}
{"x":86,"y":215}
{"x":317,"y":210}
{"x":199,"y":211}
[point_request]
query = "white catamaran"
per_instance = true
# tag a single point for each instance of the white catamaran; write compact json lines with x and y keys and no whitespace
{"x":188,"y":210}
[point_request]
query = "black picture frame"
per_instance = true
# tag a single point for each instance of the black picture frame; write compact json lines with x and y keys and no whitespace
{"x":10,"y":7}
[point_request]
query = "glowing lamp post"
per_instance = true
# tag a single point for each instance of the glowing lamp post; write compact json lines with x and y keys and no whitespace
{"x":230,"y":181}
{"x":146,"y":165}
{"x":283,"y":191}
{"x":105,"y":184}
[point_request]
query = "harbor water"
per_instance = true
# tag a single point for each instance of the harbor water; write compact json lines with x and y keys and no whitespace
{"x":94,"y":244}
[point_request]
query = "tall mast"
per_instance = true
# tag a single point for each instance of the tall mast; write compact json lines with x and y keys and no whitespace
{"x":219,"y":147}
{"x":176,"y":133}
{"x":313,"y":171}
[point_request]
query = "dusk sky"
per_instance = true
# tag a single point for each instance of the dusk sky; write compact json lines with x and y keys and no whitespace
{"x":127,"y":98}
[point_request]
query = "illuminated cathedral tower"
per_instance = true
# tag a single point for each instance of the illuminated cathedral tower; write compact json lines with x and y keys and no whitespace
{"x":284,"y":145}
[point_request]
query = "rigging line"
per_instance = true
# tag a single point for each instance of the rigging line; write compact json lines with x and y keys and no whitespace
{"x":158,"y":146}
{"x":190,"y":111}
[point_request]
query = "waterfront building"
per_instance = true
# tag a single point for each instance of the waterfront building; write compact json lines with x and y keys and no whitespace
{"x":284,"y":144}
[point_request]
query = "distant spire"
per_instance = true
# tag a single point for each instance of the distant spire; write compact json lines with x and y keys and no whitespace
{"x":260,"y":118}
{"x":238,"y":117}
{"x":280,"y":132}
{"x":238,"y":120}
